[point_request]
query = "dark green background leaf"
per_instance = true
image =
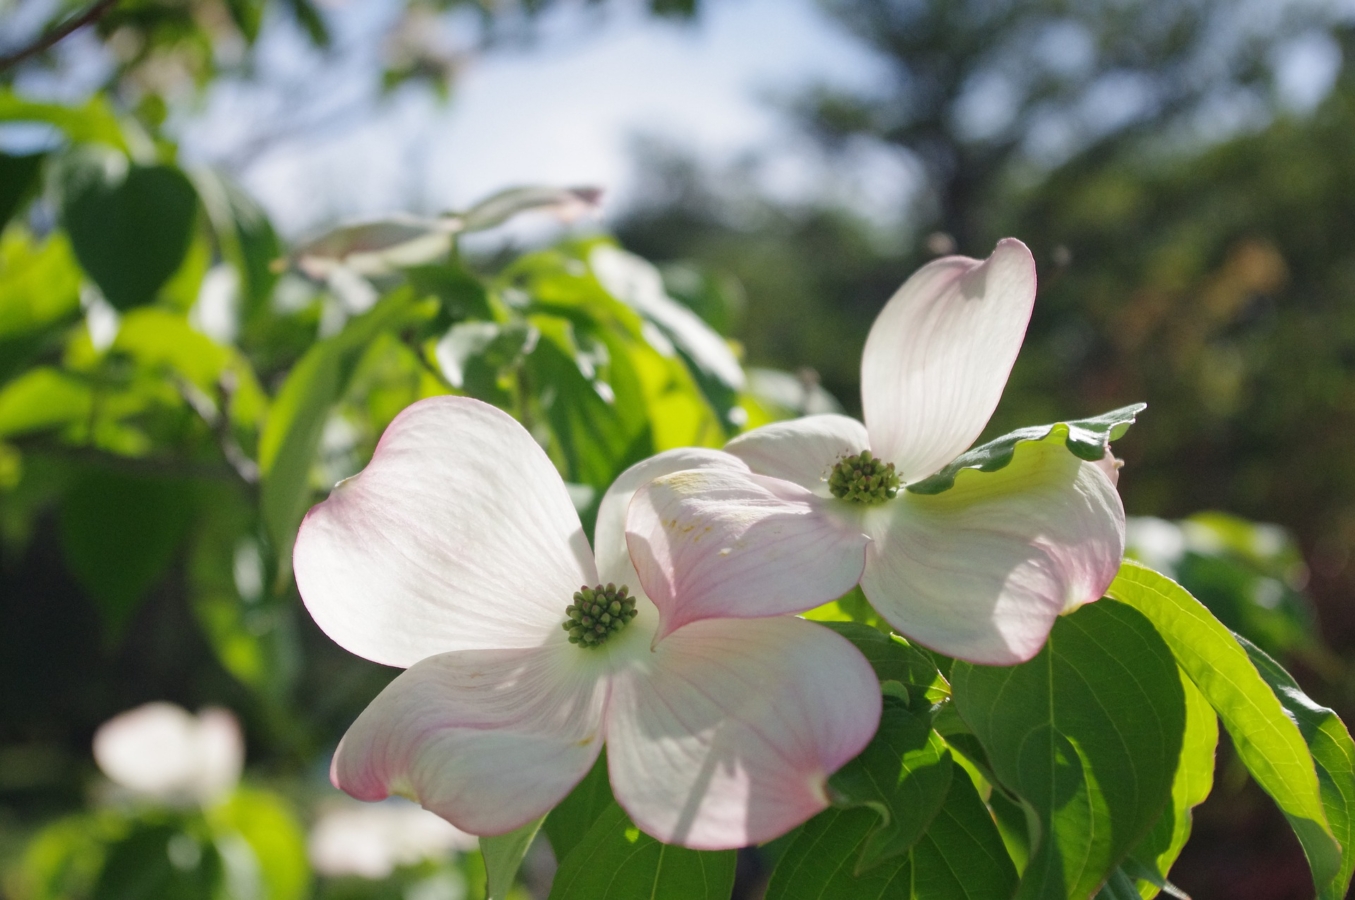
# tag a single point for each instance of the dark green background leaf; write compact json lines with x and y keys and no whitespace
{"x":130,"y":226}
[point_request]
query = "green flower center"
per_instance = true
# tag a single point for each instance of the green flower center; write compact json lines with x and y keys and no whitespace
{"x":597,"y":613}
{"x":864,"y":479}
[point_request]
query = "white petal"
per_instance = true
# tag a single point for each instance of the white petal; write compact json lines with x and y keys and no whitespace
{"x":459,"y":534}
{"x":801,"y":450}
{"x":980,"y":572}
{"x":487,"y":739}
{"x":939,"y":355}
{"x":370,"y":839}
{"x":721,"y":543}
{"x":609,"y":541}
{"x":165,"y":752}
{"x":725,"y":735}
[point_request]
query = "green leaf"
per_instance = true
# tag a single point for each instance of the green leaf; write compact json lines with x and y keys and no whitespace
{"x":296,"y":421}
{"x":1087,"y":439}
{"x":960,"y":857}
{"x":617,"y":861}
{"x":39,"y":296}
{"x":903,"y":775}
{"x":1333,"y":754}
{"x":120,"y":533}
{"x":591,"y":398}
{"x":18,"y":178}
{"x":277,"y":841}
{"x":244,"y":234}
{"x":95,"y":121}
{"x":897,"y":662}
{"x":1118,"y":887}
{"x":573,"y":816}
{"x":1087,"y":734}
{"x":41,"y":399}
{"x":1266,"y":739}
{"x":161,"y":861}
{"x":503,"y":855}
{"x":130,"y":225}
{"x":1152,"y":858}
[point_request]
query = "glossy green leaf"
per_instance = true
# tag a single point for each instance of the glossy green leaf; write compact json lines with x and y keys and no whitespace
{"x":617,"y":861}
{"x":897,"y":662}
{"x":1153,"y":857}
{"x":573,"y":816}
{"x":130,"y":225}
{"x":18,"y":178}
{"x":903,"y":775}
{"x":120,"y":533}
{"x":1266,"y":739}
{"x":503,"y":856}
{"x":1087,"y":734}
{"x":273,"y":836}
{"x":1333,"y":754}
{"x":960,"y":857}
{"x":1087,"y":439}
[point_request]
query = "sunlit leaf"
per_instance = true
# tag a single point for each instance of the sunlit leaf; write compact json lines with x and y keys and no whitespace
{"x":1268,"y":742}
{"x":896,"y":662}
{"x":1087,"y":439}
{"x":272,"y":835}
{"x":1157,"y":852}
{"x":503,"y":855}
{"x":1333,"y":754}
{"x":43,"y":398}
{"x":1087,"y":734}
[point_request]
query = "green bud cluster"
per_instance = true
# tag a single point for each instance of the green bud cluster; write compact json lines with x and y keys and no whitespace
{"x":864,"y":479}
{"x":597,"y":613}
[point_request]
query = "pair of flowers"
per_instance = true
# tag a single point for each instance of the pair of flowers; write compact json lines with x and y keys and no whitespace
{"x":458,"y":554}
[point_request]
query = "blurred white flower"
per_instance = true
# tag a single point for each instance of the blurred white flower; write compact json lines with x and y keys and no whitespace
{"x":371,"y":839}
{"x":164,"y":752}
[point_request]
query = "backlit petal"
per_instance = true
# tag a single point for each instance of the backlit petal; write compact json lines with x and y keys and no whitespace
{"x":801,"y":450}
{"x":487,"y":739}
{"x":720,"y":543}
{"x":459,"y":534}
{"x":981,"y":571}
{"x":726,"y":734}
{"x":610,"y":534}
{"x":939,"y":355}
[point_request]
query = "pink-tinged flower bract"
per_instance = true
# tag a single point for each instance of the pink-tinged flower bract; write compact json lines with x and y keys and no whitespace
{"x":456,"y":552}
{"x":978,"y":572}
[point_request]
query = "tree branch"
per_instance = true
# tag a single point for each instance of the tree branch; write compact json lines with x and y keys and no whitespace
{"x":51,"y":38}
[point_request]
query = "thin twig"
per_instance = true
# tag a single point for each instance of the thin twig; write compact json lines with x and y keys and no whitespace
{"x":51,"y":38}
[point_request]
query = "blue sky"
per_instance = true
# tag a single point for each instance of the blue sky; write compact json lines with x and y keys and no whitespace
{"x":563,"y":111}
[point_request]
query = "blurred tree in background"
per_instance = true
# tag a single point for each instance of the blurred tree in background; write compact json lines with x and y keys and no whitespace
{"x":171,"y":404}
